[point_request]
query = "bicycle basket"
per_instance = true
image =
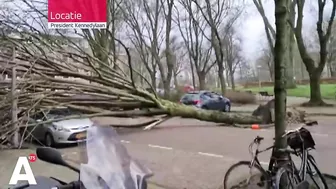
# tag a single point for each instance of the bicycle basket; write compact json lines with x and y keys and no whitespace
{"x":295,"y":142}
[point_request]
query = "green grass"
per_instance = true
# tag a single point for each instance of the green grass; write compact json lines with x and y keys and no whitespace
{"x":328,"y":90}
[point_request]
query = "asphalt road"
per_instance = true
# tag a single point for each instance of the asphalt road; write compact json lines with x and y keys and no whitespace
{"x":190,"y":154}
{"x":185,"y":156}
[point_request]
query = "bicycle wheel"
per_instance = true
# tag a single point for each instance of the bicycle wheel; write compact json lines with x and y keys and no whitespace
{"x":315,"y":174}
{"x":286,"y":178}
{"x":254,"y":178}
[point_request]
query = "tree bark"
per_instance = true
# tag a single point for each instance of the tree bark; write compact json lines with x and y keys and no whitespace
{"x":332,"y":68}
{"x":153,"y":80}
{"x":175,"y":109}
{"x":193,"y":74}
{"x":233,"y":86}
{"x":201,"y":80}
{"x":291,"y":53}
{"x":280,"y":58}
{"x":313,"y":70}
{"x":315,"y":89}
{"x":271,"y":35}
{"x":222,"y":79}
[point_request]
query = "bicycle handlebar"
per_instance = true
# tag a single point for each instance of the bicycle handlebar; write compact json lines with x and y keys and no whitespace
{"x":258,"y":139}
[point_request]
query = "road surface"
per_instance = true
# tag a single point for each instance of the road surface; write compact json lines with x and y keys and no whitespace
{"x":197,"y":157}
{"x":191,"y":154}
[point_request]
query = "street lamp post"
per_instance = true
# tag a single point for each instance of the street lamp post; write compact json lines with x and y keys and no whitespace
{"x":259,"y":79}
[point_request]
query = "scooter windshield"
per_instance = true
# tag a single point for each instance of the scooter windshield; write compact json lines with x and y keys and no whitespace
{"x":108,"y":164}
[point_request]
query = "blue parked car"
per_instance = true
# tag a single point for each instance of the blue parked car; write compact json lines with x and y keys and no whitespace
{"x":207,"y":100}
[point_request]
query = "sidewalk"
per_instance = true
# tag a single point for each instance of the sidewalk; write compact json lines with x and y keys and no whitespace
{"x":293,"y":101}
{"x":8,"y":162}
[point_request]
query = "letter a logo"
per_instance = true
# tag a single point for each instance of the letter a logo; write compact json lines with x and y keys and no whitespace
{"x":28,"y":175}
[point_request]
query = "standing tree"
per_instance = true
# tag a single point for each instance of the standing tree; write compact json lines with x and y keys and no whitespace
{"x":216,"y":13}
{"x":232,"y":48}
{"x":270,"y":34}
{"x":167,"y":74}
{"x":140,"y":33}
{"x":280,"y":53}
{"x":192,"y":26}
{"x":332,"y":54}
{"x":266,"y":59}
{"x":314,"y":68}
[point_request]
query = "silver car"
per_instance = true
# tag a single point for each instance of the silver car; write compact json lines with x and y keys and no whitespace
{"x":60,"y":132}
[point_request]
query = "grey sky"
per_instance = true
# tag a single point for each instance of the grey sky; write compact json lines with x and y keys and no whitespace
{"x":253,"y":31}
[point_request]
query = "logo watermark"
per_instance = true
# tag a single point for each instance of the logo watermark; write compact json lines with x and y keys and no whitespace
{"x":23,"y":162}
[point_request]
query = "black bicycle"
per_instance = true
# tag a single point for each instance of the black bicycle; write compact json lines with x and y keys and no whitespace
{"x":301,"y":142}
{"x":271,"y":177}
{"x":260,"y":179}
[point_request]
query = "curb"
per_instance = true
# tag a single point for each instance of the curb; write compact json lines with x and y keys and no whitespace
{"x":308,"y":114}
{"x":320,"y":114}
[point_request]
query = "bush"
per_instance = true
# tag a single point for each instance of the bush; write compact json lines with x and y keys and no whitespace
{"x":175,"y":95}
{"x":240,"y":97}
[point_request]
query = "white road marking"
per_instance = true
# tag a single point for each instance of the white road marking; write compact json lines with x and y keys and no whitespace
{"x":211,"y":155}
{"x":226,"y":158}
{"x":161,"y":147}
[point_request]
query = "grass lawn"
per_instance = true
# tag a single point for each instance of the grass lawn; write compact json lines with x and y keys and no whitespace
{"x":328,"y":90}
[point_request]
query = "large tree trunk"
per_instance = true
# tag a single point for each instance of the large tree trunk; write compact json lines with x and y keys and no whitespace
{"x":332,"y":69}
{"x":201,"y":79}
{"x":315,"y":89}
{"x":153,"y":80}
{"x":227,"y":77}
{"x":176,"y":82}
{"x":280,"y":58}
{"x":291,"y":61}
{"x":233,"y":86}
{"x":291,"y":53}
{"x":271,"y":70}
{"x":175,"y":109}
{"x":193,"y":74}
{"x":166,"y":87}
{"x":222,"y":79}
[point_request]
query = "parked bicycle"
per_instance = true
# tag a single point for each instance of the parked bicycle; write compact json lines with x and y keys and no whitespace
{"x":300,"y":142}
{"x":260,"y":179}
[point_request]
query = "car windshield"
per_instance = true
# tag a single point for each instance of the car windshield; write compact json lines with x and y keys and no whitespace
{"x":61,"y":112}
{"x":214,"y":95}
{"x":190,"y":96}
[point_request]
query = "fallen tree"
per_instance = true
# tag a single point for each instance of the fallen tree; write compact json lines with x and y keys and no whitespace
{"x":88,"y":85}
{"x":45,"y":82}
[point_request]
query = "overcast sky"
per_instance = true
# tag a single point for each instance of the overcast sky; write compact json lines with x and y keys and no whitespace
{"x":252,"y":26}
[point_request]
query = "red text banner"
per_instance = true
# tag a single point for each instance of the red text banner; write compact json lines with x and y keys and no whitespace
{"x":65,"y":14}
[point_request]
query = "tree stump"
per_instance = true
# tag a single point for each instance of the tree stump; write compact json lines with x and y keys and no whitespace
{"x":266,"y":112}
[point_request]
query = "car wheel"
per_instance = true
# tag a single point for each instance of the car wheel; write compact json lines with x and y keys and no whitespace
{"x":49,"y":140}
{"x":205,"y":107}
{"x":227,"y":108}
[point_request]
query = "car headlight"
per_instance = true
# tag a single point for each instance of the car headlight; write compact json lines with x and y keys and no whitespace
{"x":60,"y":128}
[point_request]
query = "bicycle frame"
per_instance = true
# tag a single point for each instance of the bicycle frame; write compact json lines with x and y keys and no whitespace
{"x":304,"y":166}
{"x":256,"y":153}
